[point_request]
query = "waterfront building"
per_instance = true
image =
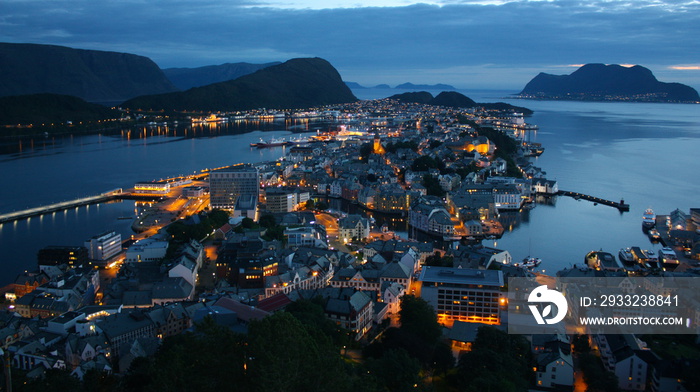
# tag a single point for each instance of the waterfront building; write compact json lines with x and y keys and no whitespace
{"x":431,"y":216}
{"x":463,"y":294}
{"x":544,"y":186}
{"x":103,"y":246}
{"x":227,"y":185}
{"x":152,"y":188}
{"x":71,"y":256}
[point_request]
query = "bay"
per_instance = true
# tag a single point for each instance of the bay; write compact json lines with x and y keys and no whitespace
{"x":644,"y":153}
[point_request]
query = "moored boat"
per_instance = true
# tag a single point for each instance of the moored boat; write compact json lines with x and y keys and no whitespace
{"x":529,"y":262}
{"x":649,"y":218}
{"x":626,"y":255}
{"x":668,"y":256}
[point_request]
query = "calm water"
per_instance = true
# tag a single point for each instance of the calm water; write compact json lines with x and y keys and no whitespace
{"x":644,"y":153}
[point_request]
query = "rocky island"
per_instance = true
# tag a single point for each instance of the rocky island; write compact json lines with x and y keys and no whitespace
{"x":600,"y":82}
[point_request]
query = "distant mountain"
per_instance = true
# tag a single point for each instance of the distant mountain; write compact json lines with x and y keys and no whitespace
{"x":382,"y":86}
{"x":411,"y":86}
{"x":455,"y":100}
{"x":92,"y":75}
{"x":40,"y":109}
{"x":185,"y":78}
{"x":423,"y":97}
{"x":608,"y":82}
{"x":297,"y":83}
{"x":354,"y":85}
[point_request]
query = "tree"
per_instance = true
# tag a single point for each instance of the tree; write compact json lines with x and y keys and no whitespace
{"x":284,"y":356}
{"x":396,"y":370}
{"x":321,"y":206}
{"x":494,"y":350}
{"x":418,"y":318}
{"x":268,"y":220}
{"x":309,"y":204}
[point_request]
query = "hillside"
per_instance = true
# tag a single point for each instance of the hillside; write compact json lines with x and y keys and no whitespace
{"x":48,"y":109}
{"x":297,"y":83}
{"x":608,"y":82}
{"x":92,"y":75}
{"x":186,"y":78}
{"x":454,"y":99}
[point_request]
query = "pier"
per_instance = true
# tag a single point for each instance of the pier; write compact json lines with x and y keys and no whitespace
{"x":619,"y":205}
{"x":83,"y":201}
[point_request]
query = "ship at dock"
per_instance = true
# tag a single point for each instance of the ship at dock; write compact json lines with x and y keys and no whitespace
{"x":648,"y":219}
{"x":602,"y":261}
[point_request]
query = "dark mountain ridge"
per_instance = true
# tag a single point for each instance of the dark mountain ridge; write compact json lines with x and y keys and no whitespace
{"x":92,"y":75}
{"x":608,"y":82}
{"x":186,"y":78}
{"x":454,"y":99}
{"x":297,"y":83}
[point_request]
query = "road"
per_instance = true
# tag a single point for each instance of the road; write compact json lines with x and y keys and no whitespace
{"x":331,"y":224}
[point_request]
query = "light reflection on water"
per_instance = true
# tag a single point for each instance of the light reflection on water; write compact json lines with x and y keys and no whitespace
{"x":644,"y":153}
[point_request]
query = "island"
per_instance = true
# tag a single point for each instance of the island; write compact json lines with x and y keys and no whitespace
{"x":601,"y":82}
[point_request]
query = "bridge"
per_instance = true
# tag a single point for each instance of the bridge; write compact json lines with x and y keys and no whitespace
{"x":576,"y":195}
{"x":116,"y":194}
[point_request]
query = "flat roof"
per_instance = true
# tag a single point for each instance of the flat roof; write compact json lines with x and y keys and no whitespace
{"x":462,"y":276}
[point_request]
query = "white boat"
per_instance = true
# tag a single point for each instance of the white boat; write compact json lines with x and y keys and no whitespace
{"x":529,"y":262}
{"x":649,"y":218}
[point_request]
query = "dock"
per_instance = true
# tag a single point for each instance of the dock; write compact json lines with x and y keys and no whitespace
{"x":65,"y":205}
{"x":621,"y":205}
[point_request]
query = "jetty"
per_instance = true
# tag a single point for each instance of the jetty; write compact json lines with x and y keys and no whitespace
{"x":116,"y":194}
{"x":621,"y":205}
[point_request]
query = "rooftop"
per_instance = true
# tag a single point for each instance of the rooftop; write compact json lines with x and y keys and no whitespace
{"x":462,"y":276}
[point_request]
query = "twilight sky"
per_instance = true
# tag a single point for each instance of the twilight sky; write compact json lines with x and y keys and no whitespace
{"x":497,"y":44}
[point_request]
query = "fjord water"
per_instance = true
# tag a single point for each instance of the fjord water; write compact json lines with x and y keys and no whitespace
{"x":644,"y":153}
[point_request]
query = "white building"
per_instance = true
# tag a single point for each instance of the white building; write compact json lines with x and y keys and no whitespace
{"x":104,"y":246}
{"x":554,"y":369}
{"x":146,"y":250}
{"x":353,"y":226}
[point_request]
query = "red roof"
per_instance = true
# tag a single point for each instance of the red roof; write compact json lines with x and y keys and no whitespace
{"x":274,"y":303}
{"x":225,"y":228}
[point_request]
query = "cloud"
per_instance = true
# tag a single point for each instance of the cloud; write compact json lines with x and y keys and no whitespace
{"x":454,"y":40}
{"x":685,"y":67}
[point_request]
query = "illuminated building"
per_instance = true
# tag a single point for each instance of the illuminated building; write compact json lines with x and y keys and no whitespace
{"x":152,"y":188}
{"x":225,"y":186}
{"x":377,"y":147}
{"x":461,"y":294}
{"x":104,"y":246}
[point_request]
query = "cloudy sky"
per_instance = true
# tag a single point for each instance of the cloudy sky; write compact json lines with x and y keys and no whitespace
{"x":498,"y":44}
